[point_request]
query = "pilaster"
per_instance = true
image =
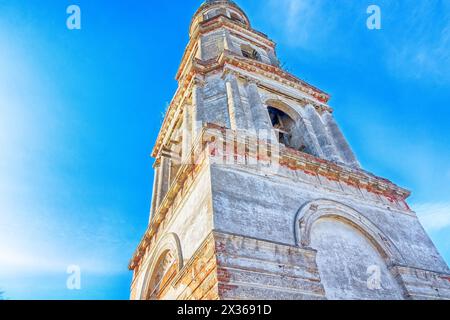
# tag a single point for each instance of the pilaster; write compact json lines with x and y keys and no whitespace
{"x":261,"y":118}
{"x":326,"y":144}
{"x":163,"y":180}
{"x":341,"y":143}
{"x":237,"y":115}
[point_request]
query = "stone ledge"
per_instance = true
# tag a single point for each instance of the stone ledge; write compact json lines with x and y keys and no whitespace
{"x":242,"y":275}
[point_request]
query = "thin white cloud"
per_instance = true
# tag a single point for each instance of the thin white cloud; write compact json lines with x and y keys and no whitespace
{"x":421,"y":50}
{"x":434,"y":216}
{"x":54,"y":237}
{"x":299,"y":13}
{"x":414,"y":42}
{"x":46,"y":222}
{"x":300,"y":23}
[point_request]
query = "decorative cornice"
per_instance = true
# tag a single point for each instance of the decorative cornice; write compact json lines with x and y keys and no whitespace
{"x":204,"y":148}
{"x":214,"y":24}
{"x":317,"y":98}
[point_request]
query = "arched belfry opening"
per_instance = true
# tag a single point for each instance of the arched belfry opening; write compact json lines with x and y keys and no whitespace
{"x":290,"y":127}
{"x":283,"y":125}
{"x":235,"y":17}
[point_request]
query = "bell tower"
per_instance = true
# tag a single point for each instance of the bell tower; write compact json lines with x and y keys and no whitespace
{"x":257,"y":193}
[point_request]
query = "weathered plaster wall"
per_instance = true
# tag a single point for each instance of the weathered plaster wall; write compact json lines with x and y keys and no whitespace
{"x":212,"y":44}
{"x":265,"y":207}
{"x":191,"y":222}
{"x":255,"y":269}
{"x":344,"y":257}
{"x":235,"y":231}
{"x":198,"y":280}
{"x":215,"y":109}
{"x":237,"y":43}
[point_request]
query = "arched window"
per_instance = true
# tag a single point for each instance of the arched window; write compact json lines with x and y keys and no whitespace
{"x":235,"y":17}
{"x":249,"y":52}
{"x":353,"y":254}
{"x":285,"y":128}
{"x":165,"y":263}
{"x":165,"y":270}
{"x":208,"y":15}
{"x":214,"y":13}
{"x":221,"y":11}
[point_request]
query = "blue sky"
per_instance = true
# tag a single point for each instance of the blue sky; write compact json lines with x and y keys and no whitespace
{"x":80,"y":111}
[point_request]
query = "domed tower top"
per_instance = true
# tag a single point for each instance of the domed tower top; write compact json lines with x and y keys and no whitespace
{"x":213,"y":8}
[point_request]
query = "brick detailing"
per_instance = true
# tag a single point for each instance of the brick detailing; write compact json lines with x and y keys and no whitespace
{"x":254,"y":269}
{"x":198,"y":279}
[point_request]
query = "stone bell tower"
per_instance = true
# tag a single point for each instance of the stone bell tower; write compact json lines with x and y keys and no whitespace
{"x":258,"y":195}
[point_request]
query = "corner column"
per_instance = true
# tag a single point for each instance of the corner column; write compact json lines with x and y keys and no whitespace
{"x":238,"y":118}
{"x":261,"y":118}
{"x":155,"y":191}
{"x":187,"y":133}
{"x":163,"y":181}
{"x":199,"y":53}
{"x":328,"y":148}
{"x":306,"y":131}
